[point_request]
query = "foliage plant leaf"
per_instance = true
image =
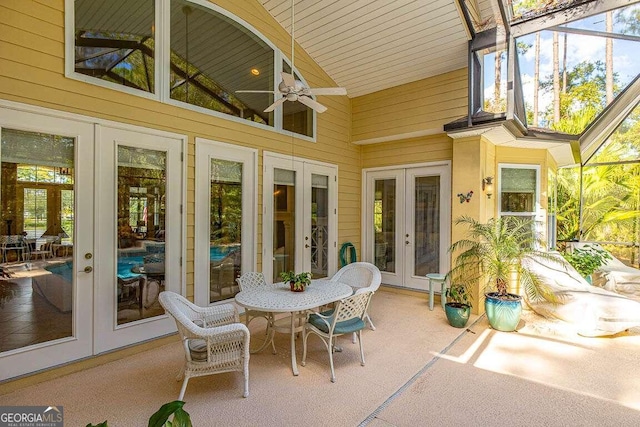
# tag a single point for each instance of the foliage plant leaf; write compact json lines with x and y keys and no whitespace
{"x":162,"y":415}
{"x":181,"y":418}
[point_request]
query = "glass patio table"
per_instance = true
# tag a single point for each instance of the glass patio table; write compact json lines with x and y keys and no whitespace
{"x":278,"y":298}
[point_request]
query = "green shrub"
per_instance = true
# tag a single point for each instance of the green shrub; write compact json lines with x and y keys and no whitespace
{"x":587,"y":259}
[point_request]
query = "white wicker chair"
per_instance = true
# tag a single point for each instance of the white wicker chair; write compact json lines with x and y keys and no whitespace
{"x":346,"y":318}
{"x":362,"y":277}
{"x":214,"y":339}
{"x":252,"y":280}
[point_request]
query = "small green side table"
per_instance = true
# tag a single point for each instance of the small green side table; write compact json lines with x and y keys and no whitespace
{"x":437,"y":278}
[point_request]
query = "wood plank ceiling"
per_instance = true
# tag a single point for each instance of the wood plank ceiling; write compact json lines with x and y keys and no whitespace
{"x":370,"y":45}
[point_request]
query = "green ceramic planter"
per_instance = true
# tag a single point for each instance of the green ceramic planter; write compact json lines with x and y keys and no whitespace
{"x":457,"y":314}
{"x":503,"y":315}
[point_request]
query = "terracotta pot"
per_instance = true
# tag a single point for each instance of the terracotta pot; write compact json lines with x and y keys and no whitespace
{"x":294,"y":289}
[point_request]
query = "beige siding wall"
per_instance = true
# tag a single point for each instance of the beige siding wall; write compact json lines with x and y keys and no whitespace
{"x":414,"y":150}
{"x":413,"y":109}
{"x":32,"y":71}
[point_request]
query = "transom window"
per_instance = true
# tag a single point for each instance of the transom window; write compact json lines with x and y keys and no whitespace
{"x":211,"y":56}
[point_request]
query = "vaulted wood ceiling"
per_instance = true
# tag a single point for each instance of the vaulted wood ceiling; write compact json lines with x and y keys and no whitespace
{"x":370,"y":45}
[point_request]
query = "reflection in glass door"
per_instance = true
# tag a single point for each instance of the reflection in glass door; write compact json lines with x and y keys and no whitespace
{"x":32,"y":238}
{"x":284,"y":221}
{"x":225,"y":205}
{"x":141,"y":193}
{"x":426,"y":224}
{"x":319,"y":225}
{"x":225,"y":241}
{"x":384,"y":224}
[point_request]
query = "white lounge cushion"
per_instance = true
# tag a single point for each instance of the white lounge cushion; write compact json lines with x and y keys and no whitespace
{"x":593,"y":311}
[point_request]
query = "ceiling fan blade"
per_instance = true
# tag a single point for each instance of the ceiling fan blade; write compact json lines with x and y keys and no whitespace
{"x":312,"y":104}
{"x":288,"y":79}
{"x":275,"y":104}
{"x":255,"y":91}
{"x":327,"y":91}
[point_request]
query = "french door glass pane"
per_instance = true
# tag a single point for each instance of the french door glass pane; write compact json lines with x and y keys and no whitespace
{"x":427,"y":225}
{"x":225,"y":216}
{"x":384,"y":224}
{"x":140,"y":232}
{"x":319,"y":225}
{"x":36,"y":242}
{"x":284,"y":220}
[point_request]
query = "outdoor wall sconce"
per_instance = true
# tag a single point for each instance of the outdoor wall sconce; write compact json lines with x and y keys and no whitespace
{"x":487,"y":186}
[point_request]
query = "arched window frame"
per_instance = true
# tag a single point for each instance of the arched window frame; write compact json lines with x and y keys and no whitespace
{"x":162,"y":65}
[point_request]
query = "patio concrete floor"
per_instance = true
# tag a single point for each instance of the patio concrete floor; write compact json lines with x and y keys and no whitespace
{"x":419,"y":371}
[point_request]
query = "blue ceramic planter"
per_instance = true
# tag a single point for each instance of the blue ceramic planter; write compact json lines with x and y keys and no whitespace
{"x":457,"y":316}
{"x":503,"y":315}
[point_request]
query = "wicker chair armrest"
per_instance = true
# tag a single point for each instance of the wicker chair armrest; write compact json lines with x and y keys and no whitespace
{"x":196,"y":331}
{"x":218,"y":315}
{"x":325,"y":318}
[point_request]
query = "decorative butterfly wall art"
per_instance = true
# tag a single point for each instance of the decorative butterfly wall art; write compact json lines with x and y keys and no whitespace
{"x":466,"y":198}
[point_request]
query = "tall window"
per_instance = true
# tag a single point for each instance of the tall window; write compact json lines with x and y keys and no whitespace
{"x":519,"y":193}
{"x":35,"y":212}
{"x":519,"y":189}
{"x":213,"y":58}
{"x":112,"y":48}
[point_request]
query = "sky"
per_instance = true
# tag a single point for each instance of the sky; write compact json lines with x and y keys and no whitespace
{"x":580,"y":48}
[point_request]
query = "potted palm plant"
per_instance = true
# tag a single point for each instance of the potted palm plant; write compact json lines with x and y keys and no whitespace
{"x":493,"y":253}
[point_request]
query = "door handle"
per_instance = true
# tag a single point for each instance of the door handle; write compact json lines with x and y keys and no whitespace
{"x":306,"y":245}
{"x":406,"y":242}
{"x":87,"y":269}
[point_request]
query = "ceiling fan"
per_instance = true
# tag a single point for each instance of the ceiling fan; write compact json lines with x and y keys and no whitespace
{"x":294,"y":90}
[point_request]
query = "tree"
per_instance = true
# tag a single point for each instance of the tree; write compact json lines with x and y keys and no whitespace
{"x":609,"y":58}
{"x":556,"y":79}
{"x":536,"y":79}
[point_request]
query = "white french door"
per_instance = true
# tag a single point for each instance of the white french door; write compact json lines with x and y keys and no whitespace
{"x":91,"y":231}
{"x":226,"y":218}
{"x":138,"y":213}
{"x":46,"y":199}
{"x":300,"y":216}
{"x":407,"y":217}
